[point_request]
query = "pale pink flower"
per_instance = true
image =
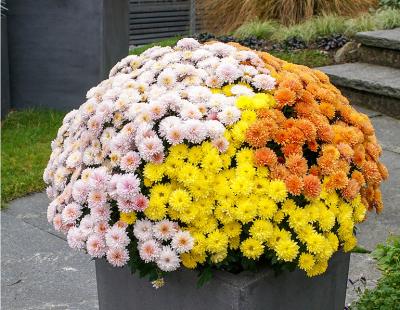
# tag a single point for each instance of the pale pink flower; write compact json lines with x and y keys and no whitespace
{"x":97,"y":198}
{"x":229,"y":115}
{"x":214,"y":128}
{"x":195,"y":131}
{"x":51,"y":211}
{"x":149,"y":250}
{"x":117,"y":257}
{"x":164,"y":230}
{"x":187,"y":44}
{"x":128,"y":186}
{"x":126,"y":205}
{"x":149,"y":147}
{"x":143,"y":230}
{"x":168,"y":259}
{"x":95,"y":124}
{"x":98,"y":178}
{"x":141,"y":202}
{"x":228,"y":72}
{"x":100,"y":213}
{"x":101,"y":228}
{"x":157,"y":109}
{"x":130,"y":161}
{"x":263,"y":82}
{"x":157,"y":158}
{"x":86,"y":225}
{"x":175,"y":135}
{"x":167,"y":123}
{"x":71,"y":213}
{"x":57,"y":222}
{"x":182,"y":242}
{"x":74,"y":159}
{"x":221,"y":144}
{"x":96,"y":246}
{"x":116,"y":237}
{"x":80,"y":191}
{"x":190,"y":111}
{"x":75,"y":238}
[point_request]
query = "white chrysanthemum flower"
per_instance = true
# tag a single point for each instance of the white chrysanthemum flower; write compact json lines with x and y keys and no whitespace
{"x":51,"y":211}
{"x":130,"y":161}
{"x":143,"y":230}
{"x":263,"y":82}
{"x":86,"y":225}
{"x":228,"y":72}
{"x":190,"y":111}
{"x":241,"y":90}
{"x":167,"y":78}
{"x":214,"y":128}
{"x":117,"y":257}
{"x":229,"y":115}
{"x":156,"y":109}
{"x":74,"y":159}
{"x":187,"y":44}
{"x":195,"y":131}
{"x":149,"y":250}
{"x":182,"y":242}
{"x":100,"y":213}
{"x":75,"y":238}
{"x":168,"y":259}
{"x":221,"y":144}
{"x":96,"y":246}
{"x":164,"y":230}
{"x":116,"y":237}
{"x":150,"y":146}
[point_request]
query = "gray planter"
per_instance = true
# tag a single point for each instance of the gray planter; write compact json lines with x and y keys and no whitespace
{"x":58,"y":49}
{"x":118,"y":289}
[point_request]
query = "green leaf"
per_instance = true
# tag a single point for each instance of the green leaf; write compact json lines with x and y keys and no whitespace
{"x":205,"y":275}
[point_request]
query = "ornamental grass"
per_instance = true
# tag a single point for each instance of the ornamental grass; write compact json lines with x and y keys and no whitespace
{"x":213,"y":157}
{"x":225,"y":16}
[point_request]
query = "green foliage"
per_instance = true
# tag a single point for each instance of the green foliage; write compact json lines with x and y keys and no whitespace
{"x":263,"y":29}
{"x":390,"y":3}
{"x":310,"y":58}
{"x":167,"y":42}
{"x":388,"y":255}
{"x":386,"y":294}
{"x":25,"y":150}
{"x":321,"y":26}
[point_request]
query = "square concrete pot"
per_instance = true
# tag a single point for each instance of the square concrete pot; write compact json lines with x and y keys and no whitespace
{"x":58,"y":49}
{"x":119,"y":289}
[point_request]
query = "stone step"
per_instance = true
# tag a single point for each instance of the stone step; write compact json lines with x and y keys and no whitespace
{"x":389,"y":39}
{"x":372,"y":86}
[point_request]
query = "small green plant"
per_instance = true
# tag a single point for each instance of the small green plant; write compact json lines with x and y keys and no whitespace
{"x":263,"y":29}
{"x":386,"y":294}
{"x":390,"y":4}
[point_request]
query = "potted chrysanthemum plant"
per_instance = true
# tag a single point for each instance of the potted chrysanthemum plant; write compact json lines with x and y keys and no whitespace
{"x":221,"y":160}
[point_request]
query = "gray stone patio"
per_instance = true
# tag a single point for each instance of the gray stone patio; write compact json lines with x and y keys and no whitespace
{"x":39,"y":271}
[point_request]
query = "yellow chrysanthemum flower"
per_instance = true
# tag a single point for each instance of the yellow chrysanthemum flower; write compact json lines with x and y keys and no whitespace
{"x":261,"y":230}
{"x":217,"y":242}
{"x":128,"y":217}
{"x":286,"y":249}
{"x":252,"y":248}
{"x":154,"y":172}
{"x":306,"y":261}
{"x":179,"y":200}
{"x":277,"y":190}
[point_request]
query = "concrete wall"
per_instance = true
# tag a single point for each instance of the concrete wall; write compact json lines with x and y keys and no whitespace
{"x":58,"y":49}
{"x":5,"y":76}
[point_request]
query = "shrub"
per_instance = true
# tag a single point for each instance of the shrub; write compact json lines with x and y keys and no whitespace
{"x":386,"y":294}
{"x":226,"y":15}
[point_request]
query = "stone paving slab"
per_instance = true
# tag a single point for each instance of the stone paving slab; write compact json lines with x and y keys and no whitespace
{"x":40,"y":271}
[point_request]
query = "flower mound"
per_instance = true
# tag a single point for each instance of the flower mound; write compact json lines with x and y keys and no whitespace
{"x":213,"y":156}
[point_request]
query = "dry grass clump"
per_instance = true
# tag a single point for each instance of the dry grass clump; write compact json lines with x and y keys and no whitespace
{"x":222,"y":16}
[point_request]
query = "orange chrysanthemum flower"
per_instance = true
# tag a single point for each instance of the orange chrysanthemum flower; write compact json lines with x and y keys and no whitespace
{"x":265,"y":157}
{"x":371,"y":172}
{"x":257,"y":135}
{"x":351,"y":190}
{"x":294,"y":184}
{"x":337,"y":180}
{"x":358,"y":176}
{"x":297,"y":164}
{"x":280,"y":172}
{"x":292,"y":148}
{"x":285,"y":96}
{"x":312,"y":186}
